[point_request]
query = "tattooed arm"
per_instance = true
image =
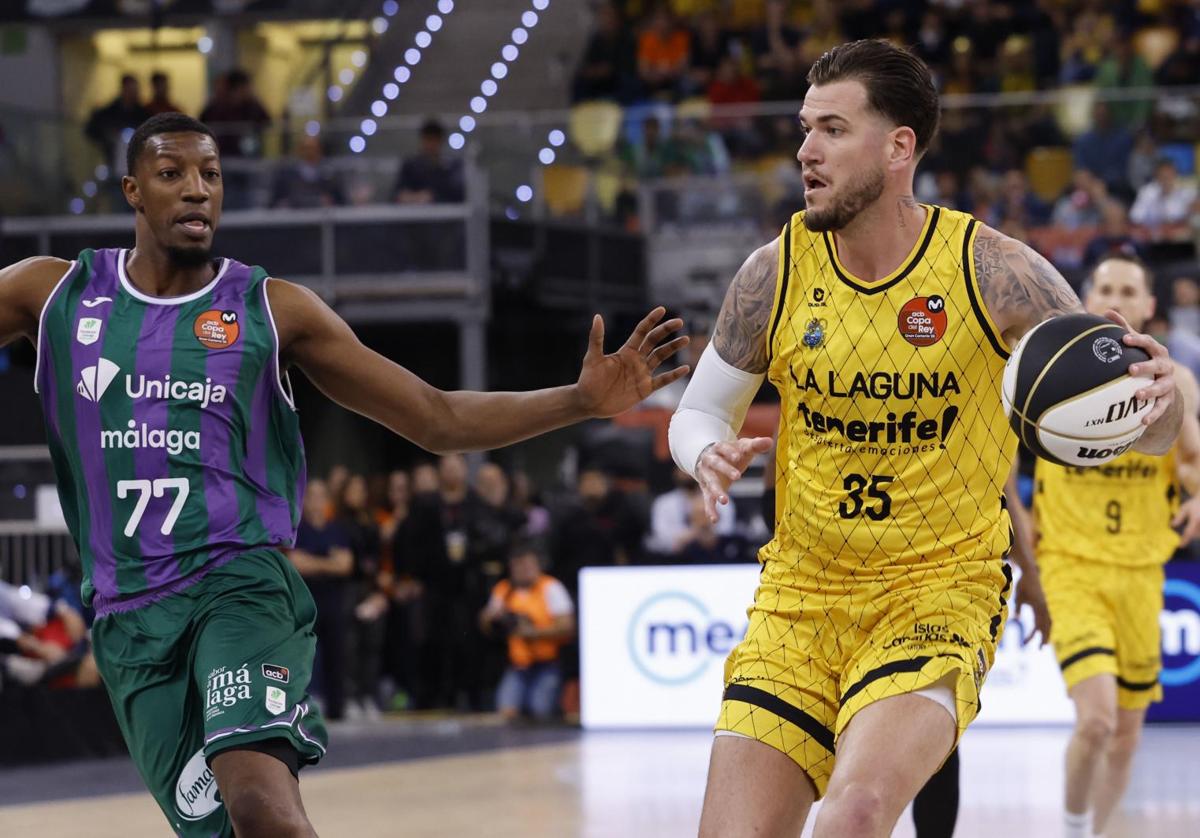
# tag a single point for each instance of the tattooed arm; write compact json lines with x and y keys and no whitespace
{"x":1021,"y":289}
{"x":704,"y":430}
{"x":741,"y":333}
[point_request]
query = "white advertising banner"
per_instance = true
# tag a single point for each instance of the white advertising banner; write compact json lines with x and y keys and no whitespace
{"x":653,"y":642}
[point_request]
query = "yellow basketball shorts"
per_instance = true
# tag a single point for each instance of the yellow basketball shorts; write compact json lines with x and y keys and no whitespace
{"x":814,"y":656}
{"x":1106,"y":621}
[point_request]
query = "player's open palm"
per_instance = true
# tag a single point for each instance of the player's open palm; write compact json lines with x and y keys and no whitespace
{"x":721,"y":464}
{"x":610,"y":384}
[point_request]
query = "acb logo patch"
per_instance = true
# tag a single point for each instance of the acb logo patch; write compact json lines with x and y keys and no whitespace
{"x":217,"y":329}
{"x":922,"y":320}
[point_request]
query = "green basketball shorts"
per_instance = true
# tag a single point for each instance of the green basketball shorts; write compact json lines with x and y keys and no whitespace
{"x":221,"y":664}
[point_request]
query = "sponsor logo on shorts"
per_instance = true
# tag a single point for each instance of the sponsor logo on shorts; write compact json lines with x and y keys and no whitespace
{"x":276,"y":700}
{"x":226,"y":688}
{"x":196,"y":789}
{"x":922,"y":320}
{"x":924,"y":634}
{"x":88,"y":330}
{"x":980,"y":667}
{"x":216,"y":329}
{"x":1107,"y":350}
{"x":275,"y":672}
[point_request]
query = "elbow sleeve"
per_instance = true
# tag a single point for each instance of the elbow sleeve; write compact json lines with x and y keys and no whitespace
{"x":712,"y":409}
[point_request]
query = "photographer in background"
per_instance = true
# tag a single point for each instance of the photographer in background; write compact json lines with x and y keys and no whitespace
{"x":536,"y":612}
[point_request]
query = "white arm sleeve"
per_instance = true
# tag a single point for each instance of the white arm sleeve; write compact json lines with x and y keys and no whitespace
{"x":712,"y":408}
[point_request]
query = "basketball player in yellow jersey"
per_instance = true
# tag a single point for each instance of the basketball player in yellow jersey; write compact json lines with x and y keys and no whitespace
{"x":884,"y":325}
{"x":1105,"y":533}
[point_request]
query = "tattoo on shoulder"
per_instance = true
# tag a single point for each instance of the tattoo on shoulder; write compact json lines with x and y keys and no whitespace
{"x":1019,"y":286}
{"x":740,"y":334}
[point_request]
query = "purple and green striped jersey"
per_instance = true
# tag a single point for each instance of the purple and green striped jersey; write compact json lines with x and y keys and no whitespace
{"x":172,"y":430}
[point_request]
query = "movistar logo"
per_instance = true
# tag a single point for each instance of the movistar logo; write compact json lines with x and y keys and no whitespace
{"x":93,"y":381}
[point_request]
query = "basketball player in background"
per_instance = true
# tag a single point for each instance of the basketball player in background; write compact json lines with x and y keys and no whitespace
{"x":884,"y":324}
{"x":1103,"y":535}
{"x":163,"y":376}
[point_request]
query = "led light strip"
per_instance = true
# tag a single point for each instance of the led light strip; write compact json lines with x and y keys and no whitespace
{"x":510,"y":52}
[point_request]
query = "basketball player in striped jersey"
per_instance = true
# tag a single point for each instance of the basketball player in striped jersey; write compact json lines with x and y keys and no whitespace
{"x":1103,"y":535}
{"x":884,"y":324}
{"x":163,"y":377}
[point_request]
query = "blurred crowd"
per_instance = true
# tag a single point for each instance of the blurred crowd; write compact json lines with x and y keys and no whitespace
{"x":436,"y":588}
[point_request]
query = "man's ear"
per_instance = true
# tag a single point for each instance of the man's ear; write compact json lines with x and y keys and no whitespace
{"x":133,"y":193}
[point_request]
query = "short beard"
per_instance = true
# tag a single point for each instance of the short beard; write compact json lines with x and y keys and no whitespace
{"x":860,"y":194}
{"x":189,"y":257}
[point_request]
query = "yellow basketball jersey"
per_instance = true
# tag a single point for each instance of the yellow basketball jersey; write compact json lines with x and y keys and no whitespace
{"x":893,"y":444}
{"x":1118,"y":513}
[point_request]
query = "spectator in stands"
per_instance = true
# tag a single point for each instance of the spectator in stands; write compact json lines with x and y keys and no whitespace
{"x":429,"y":176}
{"x":1084,"y":46}
{"x":425,"y":480}
{"x":160,"y":95}
{"x":1185,"y":304}
{"x":1045,"y":23}
{"x":671,"y":523}
{"x":1114,"y":237}
{"x":730,"y":86}
{"x":965,"y":75}
{"x":536,"y":612}
{"x":652,"y":155}
{"x":710,"y":45}
{"x":399,"y":583}
{"x":662,"y":54}
{"x":775,"y":47}
{"x":702,"y":544}
{"x":365,"y":650}
{"x":1017,"y":73}
{"x":335,"y":481}
{"x":933,"y":39}
{"x":495,"y":523}
{"x":1104,"y":150}
{"x":1124,"y":69}
{"x":323,"y":557}
{"x":1082,"y":204}
{"x":1182,"y":343}
{"x":1142,"y":160}
{"x":107,"y":126}
{"x":597,"y":528}
{"x":535,"y":518}
{"x":1164,"y":200}
{"x":1182,"y":66}
{"x":1018,"y":204}
{"x":236,"y":116}
{"x":307,"y":181}
{"x":439,"y":558}
{"x":607,"y":70}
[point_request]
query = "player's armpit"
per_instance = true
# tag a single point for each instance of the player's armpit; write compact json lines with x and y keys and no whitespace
{"x":1020,"y":288}
{"x":24,"y":288}
{"x":741,"y":331}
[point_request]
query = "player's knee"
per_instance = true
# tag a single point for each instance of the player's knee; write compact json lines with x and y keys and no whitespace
{"x":855,"y":810}
{"x":1123,"y":745}
{"x":256,"y":813}
{"x":1096,"y":728}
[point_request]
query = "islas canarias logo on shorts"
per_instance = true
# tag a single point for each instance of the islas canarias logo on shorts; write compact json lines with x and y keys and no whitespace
{"x":216,"y":329}
{"x":922,"y":320}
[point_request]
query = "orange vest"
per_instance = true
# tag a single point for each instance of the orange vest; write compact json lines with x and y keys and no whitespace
{"x":531,"y":604}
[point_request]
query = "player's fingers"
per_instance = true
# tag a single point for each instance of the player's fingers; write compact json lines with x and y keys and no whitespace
{"x":596,"y":337}
{"x":666,"y":378}
{"x":1191,"y":530}
{"x":658,"y":333}
{"x":665,"y":351}
{"x":1160,"y":407}
{"x":1116,"y":317}
{"x":643,"y":328}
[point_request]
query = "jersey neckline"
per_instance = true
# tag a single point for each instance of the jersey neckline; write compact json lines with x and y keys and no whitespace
{"x":914,"y":257}
{"x":132,"y":290}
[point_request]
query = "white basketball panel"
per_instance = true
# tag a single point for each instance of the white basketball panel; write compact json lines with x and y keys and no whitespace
{"x":1086,"y":452}
{"x":1105,"y":412}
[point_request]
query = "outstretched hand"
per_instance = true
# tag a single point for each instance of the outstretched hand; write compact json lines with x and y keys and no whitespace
{"x":1159,"y":367}
{"x":610,"y":384}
